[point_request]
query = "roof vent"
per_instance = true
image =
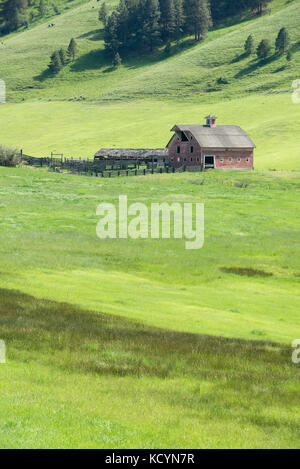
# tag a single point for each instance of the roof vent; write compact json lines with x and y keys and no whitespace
{"x":211,"y":121}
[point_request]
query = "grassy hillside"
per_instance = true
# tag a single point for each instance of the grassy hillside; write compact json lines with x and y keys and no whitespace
{"x":80,"y":379}
{"x":123,"y":343}
{"x":137,"y":104}
{"x":25,"y":56}
{"x":80,"y":129}
{"x":50,"y":250}
{"x":158,"y":371}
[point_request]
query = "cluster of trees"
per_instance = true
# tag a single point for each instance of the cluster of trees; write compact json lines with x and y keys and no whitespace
{"x":17,"y":13}
{"x":222,"y":9}
{"x":13,"y":14}
{"x":145,"y":24}
{"x":61,"y":57}
{"x":264,"y":48}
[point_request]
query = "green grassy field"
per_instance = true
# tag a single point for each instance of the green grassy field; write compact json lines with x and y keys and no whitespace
{"x":137,"y":104}
{"x":89,"y":380}
{"x":79,"y":130}
{"x":81,"y":378}
{"x":51,"y":250}
{"x":143,"y":344}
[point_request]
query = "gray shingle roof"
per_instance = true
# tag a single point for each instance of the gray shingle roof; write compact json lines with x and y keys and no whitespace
{"x":131,"y":153}
{"x":223,"y":136}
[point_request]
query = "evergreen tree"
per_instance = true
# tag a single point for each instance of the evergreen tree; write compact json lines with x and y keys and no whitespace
{"x":249,"y":45}
{"x":55,"y":63}
{"x":168,"y":49}
{"x":42,"y":8}
{"x":63,"y":57}
{"x":111,"y":37}
{"x":282,"y":41}
{"x":72,"y":49}
{"x":103,"y":14}
{"x":13,"y":14}
{"x":199,"y":18}
{"x":264,"y":49}
{"x":167,"y":18}
{"x":151,"y":27}
{"x":289,"y":56}
{"x":122,"y":28}
{"x":258,"y":5}
{"x":179,"y":19}
{"x":117,"y":60}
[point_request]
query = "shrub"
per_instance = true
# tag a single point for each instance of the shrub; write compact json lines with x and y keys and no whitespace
{"x":222,"y":81}
{"x":242,"y":184}
{"x":8,"y":156}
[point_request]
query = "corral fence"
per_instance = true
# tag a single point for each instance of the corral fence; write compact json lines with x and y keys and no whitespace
{"x":97,"y":168}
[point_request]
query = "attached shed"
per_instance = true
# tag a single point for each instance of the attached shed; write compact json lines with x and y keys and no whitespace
{"x":124,"y":157}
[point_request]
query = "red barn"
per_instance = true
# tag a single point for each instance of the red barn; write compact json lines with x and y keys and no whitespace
{"x":200,"y":147}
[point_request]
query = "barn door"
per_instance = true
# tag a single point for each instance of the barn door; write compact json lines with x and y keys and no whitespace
{"x":209,"y":162}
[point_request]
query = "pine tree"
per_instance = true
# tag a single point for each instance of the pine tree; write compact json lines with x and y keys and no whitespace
{"x":199,"y":18}
{"x":13,"y":14}
{"x":117,"y":60}
{"x":282,"y":41}
{"x":249,"y":45}
{"x":72,"y":49}
{"x":111,"y":37}
{"x":264,"y":49}
{"x":123,"y":17}
{"x":289,"y":56}
{"x":55,"y":63}
{"x":103,"y":14}
{"x":63,"y":57}
{"x":151,"y":28}
{"x":179,"y":19}
{"x":42,"y":8}
{"x":167,"y":18}
{"x":168,"y":49}
{"x":259,"y":5}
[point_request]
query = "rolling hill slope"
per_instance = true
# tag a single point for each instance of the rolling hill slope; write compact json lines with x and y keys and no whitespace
{"x":138,"y":103}
{"x":141,"y":343}
{"x":25,"y":56}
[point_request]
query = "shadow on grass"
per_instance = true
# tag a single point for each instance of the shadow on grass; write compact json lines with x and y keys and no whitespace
{"x":93,"y":60}
{"x":65,"y":336}
{"x":95,"y":35}
{"x":44,"y":75}
{"x":99,"y":58}
{"x":254,"y":65}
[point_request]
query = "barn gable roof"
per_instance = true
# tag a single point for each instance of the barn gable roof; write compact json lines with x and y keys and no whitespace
{"x":222,"y":136}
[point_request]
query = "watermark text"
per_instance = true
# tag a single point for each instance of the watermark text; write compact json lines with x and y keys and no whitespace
{"x":161,"y":221}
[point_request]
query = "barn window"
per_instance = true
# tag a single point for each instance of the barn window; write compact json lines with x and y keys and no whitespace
{"x":247,"y":160}
{"x":192,"y":149}
{"x":191,"y":159}
{"x":198,"y":159}
{"x":184,"y":137}
{"x":230,"y":160}
{"x":221,"y":160}
{"x":184,"y":159}
{"x":191,"y":137}
{"x":172,"y":159}
{"x":178,"y":159}
{"x":239,"y":160}
{"x":178,"y":149}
